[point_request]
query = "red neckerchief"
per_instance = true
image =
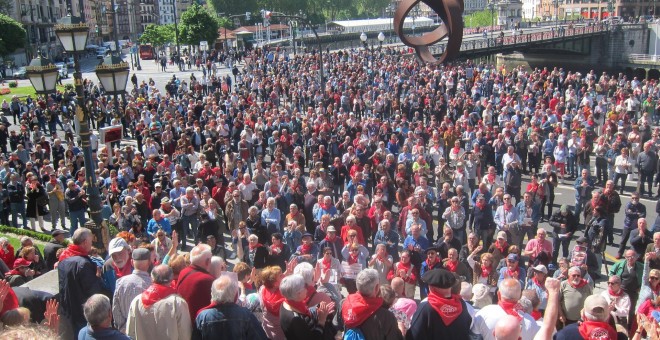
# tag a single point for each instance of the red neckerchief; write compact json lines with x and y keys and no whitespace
{"x":352,"y":259}
{"x":72,"y":250}
{"x":449,"y":309}
{"x":451,"y":266}
{"x":485,"y":271}
{"x":155,"y":293}
{"x":511,"y":308}
{"x":513,"y":274}
{"x":298,"y":306}
{"x":431,"y":265}
{"x":506,"y":210}
{"x":327,"y":238}
{"x":595,"y":330}
{"x":13,"y":272}
{"x":272,"y":299}
{"x":456,"y":149}
{"x":613,"y":294}
{"x":536,"y":315}
{"x":253,"y":247}
{"x":121,"y":272}
{"x":491,"y":178}
{"x":357,"y":309}
{"x":481,"y":205}
{"x":582,"y":283}
{"x":327,"y":264}
{"x":305,"y":249}
{"x":536,"y":282}
{"x":279,"y":246}
{"x":501,"y":247}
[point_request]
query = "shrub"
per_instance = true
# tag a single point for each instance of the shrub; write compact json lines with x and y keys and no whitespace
{"x":13,"y":84}
{"x":35,"y":235}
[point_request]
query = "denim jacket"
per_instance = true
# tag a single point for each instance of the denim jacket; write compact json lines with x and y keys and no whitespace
{"x":227,"y":321}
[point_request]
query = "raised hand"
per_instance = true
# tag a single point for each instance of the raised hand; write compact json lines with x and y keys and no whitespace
{"x":51,"y":315}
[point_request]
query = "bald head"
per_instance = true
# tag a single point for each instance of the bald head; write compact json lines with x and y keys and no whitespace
{"x":507,"y":328}
{"x":397,"y":285}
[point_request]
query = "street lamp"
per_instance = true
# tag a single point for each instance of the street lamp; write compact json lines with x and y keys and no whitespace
{"x":72,"y":34}
{"x":113,"y":75}
{"x":42,"y":74}
{"x":363,"y":38}
{"x":381,"y":38}
{"x":491,"y":7}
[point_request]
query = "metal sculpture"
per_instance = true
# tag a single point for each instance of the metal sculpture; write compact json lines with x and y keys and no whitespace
{"x":450,"y":11}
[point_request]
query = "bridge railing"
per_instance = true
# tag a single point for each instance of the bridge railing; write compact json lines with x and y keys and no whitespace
{"x":478,"y":44}
{"x":643,"y":58}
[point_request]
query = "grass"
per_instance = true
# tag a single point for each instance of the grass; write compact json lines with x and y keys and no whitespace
{"x":22,"y":92}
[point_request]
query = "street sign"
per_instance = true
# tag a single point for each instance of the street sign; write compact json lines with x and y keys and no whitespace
{"x":204,"y":45}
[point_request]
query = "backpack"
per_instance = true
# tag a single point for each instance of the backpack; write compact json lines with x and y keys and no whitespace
{"x":354,"y":334}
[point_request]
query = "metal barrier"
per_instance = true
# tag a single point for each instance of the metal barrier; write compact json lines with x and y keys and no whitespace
{"x":643,"y":57}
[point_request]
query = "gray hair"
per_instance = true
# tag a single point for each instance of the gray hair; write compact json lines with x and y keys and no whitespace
{"x":97,"y":309}
{"x":292,"y":285}
{"x":366,"y":281}
{"x":218,"y":265}
{"x":381,"y":245}
{"x":81,"y":235}
{"x":162,"y":274}
{"x":224,"y":290}
{"x":200,"y":254}
{"x":574,"y":269}
{"x":305,"y":270}
{"x":510,"y":289}
{"x":25,"y":240}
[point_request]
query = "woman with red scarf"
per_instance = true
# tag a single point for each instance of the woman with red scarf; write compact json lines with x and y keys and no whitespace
{"x":296,"y":319}
{"x":407,"y":272}
{"x":271,"y":301}
{"x":483,"y":269}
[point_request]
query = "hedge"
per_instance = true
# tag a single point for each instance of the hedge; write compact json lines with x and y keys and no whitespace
{"x":34,"y":234}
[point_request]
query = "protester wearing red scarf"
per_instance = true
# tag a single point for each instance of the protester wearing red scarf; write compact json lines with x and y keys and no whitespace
{"x":272,"y":299}
{"x":73,"y":250}
{"x":357,"y":308}
{"x":155,"y":293}
{"x":449,"y":309}
{"x":511,"y":307}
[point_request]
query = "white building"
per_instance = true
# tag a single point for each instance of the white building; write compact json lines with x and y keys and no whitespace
{"x":165,"y":12}
{"x":529,"y":9}
{"x":472,"y":6}
{"x":509,"y":12}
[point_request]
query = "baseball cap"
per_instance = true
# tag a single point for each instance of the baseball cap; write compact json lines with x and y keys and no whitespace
{"x":331,"y":228}
{"x":513,"y":257}
{"x":597,"y":307}
{"x":116,"y":245}
{"x":541,"y":268}
{"x":501,"y":235}
{"x":165,"y":200}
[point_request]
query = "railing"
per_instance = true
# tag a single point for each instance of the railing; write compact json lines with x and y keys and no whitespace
{"x":643,"y":58}
{"x":522,"y":39}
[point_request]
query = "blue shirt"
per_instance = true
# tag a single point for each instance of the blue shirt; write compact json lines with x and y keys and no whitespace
{"x":422,"y":242}
{"x":271,"y":216}
{"x":106,"y":334}
{"x":153,"y":226}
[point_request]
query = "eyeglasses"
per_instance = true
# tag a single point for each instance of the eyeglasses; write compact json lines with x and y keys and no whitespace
{"x":635,"y":198}
{"x":612,"y":283}
{"x":653,"y":278}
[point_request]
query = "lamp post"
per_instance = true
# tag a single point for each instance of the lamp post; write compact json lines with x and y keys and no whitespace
{"x":72,"y":34}
{"x":176,"y":36}
{"x":390,"y":12}
{"x":363,"y":38}
{"x":491,"y":7}
{"x":42,"y":74}
{"x":113,"y":75}
{"x":381,"y":38}
{"x":557,"y":3}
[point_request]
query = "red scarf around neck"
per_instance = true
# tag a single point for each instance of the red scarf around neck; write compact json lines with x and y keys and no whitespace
{"x":491,"y":178}
{"x":155,"y":293}
{"x":327,"y":264}
{"x":72,"y":250}
{"x":582,"y":283}
{"x":279,"y":247}
{"x":595,"y":330}
{"x":305,"y":249}
{"x":513,"y":274}
{"x":253,"y":247}
{"x":327,"y":238}
{"x":451,"y":266}
{"x":357,"y":309}
{"x":449,"y":309}
{"x":511,"y":308}
{"x":121,"y":272}
{"x":311,"y":291}
{"x":352,"y":259}
{"x":272,"y":299}
{"x":485,"y":271}
{"x":507,"y":209}
{"x":298,"y":306}
{"x":613,"y":294}
{"x":536,"y":315}
{"x":502,"y":247}
{"x":539,"y":284}
{"x":431,"y":266}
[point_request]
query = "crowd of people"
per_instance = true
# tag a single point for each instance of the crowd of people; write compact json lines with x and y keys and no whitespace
{"x":387,"y":202}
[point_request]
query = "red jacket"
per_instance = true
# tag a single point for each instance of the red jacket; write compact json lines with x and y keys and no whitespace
{"x":194,"y":285}
{"x":8,"y":257}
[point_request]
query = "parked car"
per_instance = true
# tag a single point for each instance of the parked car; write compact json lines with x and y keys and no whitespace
{"x":63,"y":70}
{"x":69,"y":62}
{"x":20,"y":73}
{"x":101,"y":52}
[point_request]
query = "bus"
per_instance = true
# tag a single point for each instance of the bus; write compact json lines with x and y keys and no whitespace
{"x":146,"y":52}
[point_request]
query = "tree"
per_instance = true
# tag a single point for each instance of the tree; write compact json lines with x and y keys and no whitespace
{"x":198,"y":24}
{"x":481,"y":19}
{"x":13,"y":35}
{"x":6,"y":6}
{"x":157,"y":35}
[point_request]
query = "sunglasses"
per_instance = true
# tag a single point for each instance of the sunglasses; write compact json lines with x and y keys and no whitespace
{"x":653,"y":278}
{"x":612,"y":283}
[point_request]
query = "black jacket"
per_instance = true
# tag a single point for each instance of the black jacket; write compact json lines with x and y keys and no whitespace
{"x":427,"y":324}
{"x":557,"y":219}
{"x":50,"y":251}
{"x":77,"y":282}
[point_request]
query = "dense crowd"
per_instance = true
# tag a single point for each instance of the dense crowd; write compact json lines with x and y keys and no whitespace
{"x":387,"y":203}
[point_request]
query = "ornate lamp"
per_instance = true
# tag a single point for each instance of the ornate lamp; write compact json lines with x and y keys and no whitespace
{"x":42,"y":74}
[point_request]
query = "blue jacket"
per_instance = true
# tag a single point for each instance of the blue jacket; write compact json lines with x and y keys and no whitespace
{"x":227,"y":321}
{"x":586,"y":195}
{"x":102,"y":334}
{"x":633,"y":213}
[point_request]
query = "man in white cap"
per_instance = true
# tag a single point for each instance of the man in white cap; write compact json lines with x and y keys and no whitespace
{"x":130,"y":286}
{"x":118,"y":264}
{"x":594,"y":324}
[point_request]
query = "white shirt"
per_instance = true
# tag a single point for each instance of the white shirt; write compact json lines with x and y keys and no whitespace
{"x":486,"y":318}
{"x":621,"y":306}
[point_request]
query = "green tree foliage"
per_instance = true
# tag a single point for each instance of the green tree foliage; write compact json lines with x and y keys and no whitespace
{"x":198,"y":24}
{"x":481,"y":19}
{"x":13,"y":35}
{"x":157,"y":35}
